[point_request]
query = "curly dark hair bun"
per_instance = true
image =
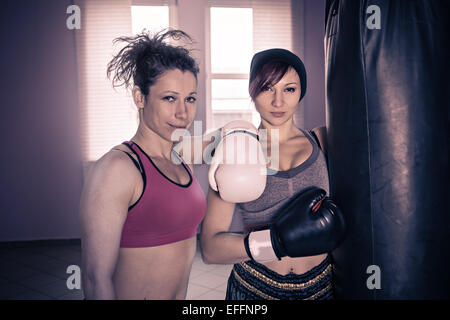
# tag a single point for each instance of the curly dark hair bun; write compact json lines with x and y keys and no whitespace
{"x":146,"y":57}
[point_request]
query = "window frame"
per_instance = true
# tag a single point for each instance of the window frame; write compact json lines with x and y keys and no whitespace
{"x":210,"y":76}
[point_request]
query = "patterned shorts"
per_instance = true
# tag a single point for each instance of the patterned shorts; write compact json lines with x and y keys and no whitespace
{"x":251,"y":280}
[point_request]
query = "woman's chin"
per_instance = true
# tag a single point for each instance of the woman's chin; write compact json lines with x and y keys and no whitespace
{"x":275,"y":122}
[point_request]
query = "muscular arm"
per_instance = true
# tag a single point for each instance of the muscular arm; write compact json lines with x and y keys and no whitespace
{"x":103,"y":209}
{"x":192,"y":148}
{"x":217,"y":244}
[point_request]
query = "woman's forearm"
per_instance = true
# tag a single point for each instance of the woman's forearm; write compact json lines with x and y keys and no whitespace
{"x":224,"y":248}
{"x":197,"y":149}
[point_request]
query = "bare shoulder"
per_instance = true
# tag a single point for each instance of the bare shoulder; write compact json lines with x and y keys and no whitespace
{"x":115,"y":161}
{"x":322,"y":130}
{"x":113,"y":171}
{"x":321,"y":133}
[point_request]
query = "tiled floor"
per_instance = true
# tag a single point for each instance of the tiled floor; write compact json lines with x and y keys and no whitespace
{"x":39,"y":272}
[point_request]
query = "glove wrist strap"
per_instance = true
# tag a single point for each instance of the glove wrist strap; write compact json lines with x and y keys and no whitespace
{"x":260,"y":246}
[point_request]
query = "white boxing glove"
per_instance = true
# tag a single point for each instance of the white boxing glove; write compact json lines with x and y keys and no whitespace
{"x":238,"y":169}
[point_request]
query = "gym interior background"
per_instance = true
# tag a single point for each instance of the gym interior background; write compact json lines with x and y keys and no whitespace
{"x":51,"y":92}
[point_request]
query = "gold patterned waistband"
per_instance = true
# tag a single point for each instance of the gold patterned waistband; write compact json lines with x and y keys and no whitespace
{"x":286,"y":286}
{"x":252,"y":288}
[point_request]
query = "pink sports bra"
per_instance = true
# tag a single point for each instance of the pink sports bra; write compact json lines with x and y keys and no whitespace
{"x":166,"y":211}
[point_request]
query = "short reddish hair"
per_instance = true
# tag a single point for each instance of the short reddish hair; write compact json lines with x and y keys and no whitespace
{"x":270,"y":74}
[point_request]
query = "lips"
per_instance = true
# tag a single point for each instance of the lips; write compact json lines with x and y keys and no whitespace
{"x":177,"y":126}
{"x":278,"y":114}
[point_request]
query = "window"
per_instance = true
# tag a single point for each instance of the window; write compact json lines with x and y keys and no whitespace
{"x":108,"y":116}
{"x":151,"y":18}
{"x":231,"y":52}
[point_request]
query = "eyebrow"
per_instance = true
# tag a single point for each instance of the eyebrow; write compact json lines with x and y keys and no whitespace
{"x":287,"y":84}
{"x":175,"y":92}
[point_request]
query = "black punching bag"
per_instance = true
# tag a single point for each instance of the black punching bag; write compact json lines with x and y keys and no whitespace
{"x":387,"y":87}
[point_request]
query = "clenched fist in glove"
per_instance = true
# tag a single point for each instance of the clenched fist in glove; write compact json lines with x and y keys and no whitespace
{"x":238,"y":168}
{"x":307,"y":225}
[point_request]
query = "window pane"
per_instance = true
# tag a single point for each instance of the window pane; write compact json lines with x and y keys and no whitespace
{"x":231,"y":104}
{"x":152,"y":18}
{"x":230,"y":94}
{"x":226,"y":88}
{"x":105,"y":115}
{"x":222,"y":118}
{"x":231,"y":39}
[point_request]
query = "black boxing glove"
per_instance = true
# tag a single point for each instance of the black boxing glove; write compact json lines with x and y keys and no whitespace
{"x":309,"y":224}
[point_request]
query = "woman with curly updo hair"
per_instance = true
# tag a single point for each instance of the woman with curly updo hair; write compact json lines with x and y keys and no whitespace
{"x":140,"y":209}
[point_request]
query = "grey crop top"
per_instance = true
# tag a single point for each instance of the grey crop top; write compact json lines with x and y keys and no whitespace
{"x":280,"y":187}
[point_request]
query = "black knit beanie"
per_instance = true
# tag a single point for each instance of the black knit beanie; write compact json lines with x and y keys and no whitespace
{"x":263,"y":57}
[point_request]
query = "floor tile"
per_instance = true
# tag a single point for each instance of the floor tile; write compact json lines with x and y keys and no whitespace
{"x":32,"y":295}
{"x":11,"y":290}
{"x":37,"y":281}
{"x":73,"y":295}
{"x":14,"y":271}
{"x":223,"y":270}
{"x":55,"y":289}
{"x":58,"y":252}
{"x":39,"y":273}
{"x":15,"y":254}
{"x":195,"y":272}
{"x":195,"y":290}
{"x":35,"y":260}
{"x":57,"y":268}
{"x":212,"y":295}
{"x":209,"y":280}
{"x":222,"y":287}
{"x":71,"y":257}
